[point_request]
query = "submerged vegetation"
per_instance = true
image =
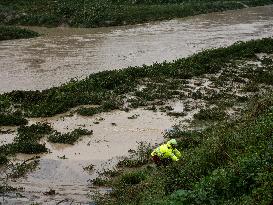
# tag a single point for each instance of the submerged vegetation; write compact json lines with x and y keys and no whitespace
{"x":9,"y":32}
{"x":68,"y":138}
{"x":28,"y":138}
{"x":95,"y":13}
{"x":27,"y":141}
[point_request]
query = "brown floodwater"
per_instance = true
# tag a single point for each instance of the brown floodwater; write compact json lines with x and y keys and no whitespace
{"x":64,"y":53}
{"x":112,"y":138}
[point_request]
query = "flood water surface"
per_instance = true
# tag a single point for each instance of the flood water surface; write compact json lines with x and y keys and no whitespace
{"x":63,"y":168}
{"x":64,"y":53}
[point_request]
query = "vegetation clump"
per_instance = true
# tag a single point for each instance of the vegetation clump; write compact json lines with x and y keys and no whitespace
{"x":12,"y":119}
{"x":68,"y":138}
{"x":26,"y":141}
{"x":138,"y":157}
{"x":9,"y":32}
{"x":213,"y":114}
{"x":21,"y":169}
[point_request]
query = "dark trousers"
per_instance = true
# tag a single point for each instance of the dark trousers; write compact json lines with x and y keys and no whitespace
{"x":158,"y":161}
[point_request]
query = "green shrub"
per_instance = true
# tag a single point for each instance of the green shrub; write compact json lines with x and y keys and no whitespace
{"x":185,"y":139}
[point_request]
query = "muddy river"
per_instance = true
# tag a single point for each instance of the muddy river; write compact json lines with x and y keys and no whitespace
{"x":64,"y":53}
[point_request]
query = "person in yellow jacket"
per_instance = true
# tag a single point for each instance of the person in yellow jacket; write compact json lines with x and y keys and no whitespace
{"x":166,"y":153}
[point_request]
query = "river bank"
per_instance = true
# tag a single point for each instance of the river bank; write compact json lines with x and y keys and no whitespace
{"x":109,"y":13}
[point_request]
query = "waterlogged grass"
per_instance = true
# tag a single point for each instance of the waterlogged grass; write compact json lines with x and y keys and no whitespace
{"x":68,"y":138}
{"x":229,"y":163}
{"x":213,"y":114}
{"x":109,"y":89}
{"x":27,"y":140}
{"x":138,"y":157}
{"x":8,"y":33}
{"x":87,"y":13}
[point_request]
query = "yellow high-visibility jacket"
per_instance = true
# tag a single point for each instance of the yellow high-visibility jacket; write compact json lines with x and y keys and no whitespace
{"x":166,"y":151}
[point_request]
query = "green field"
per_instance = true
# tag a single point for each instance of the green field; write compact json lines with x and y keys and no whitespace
{"x":96,"y":13}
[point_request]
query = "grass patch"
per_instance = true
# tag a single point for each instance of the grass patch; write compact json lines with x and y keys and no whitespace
{"x":26,"y":141}
{"x":68,"y":138}
{"x":213,"y":114}
{"x":133,"y":178}
{"x":99,"y":182}
{"x":21,"y":169}
{"x":138,"y":157}
{"x":8,"y":33}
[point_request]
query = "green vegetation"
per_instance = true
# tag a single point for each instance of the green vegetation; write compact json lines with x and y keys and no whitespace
{"x":28,"y":137}
{"x":8,"y":33}
{"x":68,"y":138}
{"x":12,"y":119}
{"x":230,"y":164}
{"x":137,"y":158}
{"x":210,"y":114}
{"x":21,"y":169}
{"x":96,"y":13}
{"x":26,"y":141}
